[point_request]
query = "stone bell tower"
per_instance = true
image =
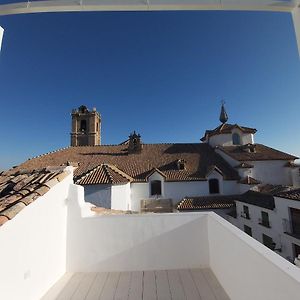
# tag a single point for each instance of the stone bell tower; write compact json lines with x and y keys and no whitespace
{"x":86,"y":127}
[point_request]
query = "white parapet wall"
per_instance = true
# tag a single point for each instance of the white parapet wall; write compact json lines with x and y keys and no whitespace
{"x":246,"y":268}
{"x":33,"y":246}
{"x":134,"y":242}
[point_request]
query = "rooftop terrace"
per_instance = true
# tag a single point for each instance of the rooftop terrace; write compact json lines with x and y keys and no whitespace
{"x":61,"y":249}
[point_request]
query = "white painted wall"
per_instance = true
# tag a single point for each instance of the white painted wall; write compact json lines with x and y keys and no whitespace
{"x":229,"y":159}
{"x":283,"y":212}
{"x":178,"y":190}
{"x":226,"y":139}
{"x":273,"y":172}
{"x":120,"y":196}
{"x":134,"y":242}
{"x":33,"y":246}
{"x":276,"y":232}
{"x":295,"y":174}
{"x":247,"y":269}
{"x":98,"y":194}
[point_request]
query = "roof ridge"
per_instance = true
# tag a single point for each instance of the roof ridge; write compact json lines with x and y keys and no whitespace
{"x":89,"y":172}
{"x":105,"y":168}
{"x":47,"y":153}
{"x":119,"y":171}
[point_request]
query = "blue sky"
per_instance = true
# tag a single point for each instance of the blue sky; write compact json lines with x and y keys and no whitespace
{"x":162,"y":74}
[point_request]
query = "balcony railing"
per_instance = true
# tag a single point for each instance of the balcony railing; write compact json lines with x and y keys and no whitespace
{"x":245,"y":215}
{"x":291,"y":228}
{"x":265,"y":223}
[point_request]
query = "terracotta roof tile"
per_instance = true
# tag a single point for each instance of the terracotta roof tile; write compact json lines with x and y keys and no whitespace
{"x":3,"y":220}
{"x":207,"y":202}
{"x":260,"y":152}
{"x":198,"y":158}
{"x":291,"y":195}
{"x":104,"y":174}
{"x":249,"y":180}
{"x":226,"y":128}
{"x":19,"y":188}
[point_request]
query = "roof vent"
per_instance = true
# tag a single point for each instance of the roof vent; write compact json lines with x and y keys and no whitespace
{"x":181,"y":164}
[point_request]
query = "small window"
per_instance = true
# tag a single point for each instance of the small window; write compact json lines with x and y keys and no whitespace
{"x":248,"y":230}
{"x":214,"y":186}
{"x":246,"y":214}
{"x":264,"y":219}
{"x":268,"y":241}
{"x":236,"y":139}
{"x":83,"y":125}
{"x":97,"y":127}
{"x":155,"y":187}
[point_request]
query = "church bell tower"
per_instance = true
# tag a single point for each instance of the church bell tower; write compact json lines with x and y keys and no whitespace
{"x":86,"y":127}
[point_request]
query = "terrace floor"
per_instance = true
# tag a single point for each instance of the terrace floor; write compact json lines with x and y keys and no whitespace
{"x":172,"y":284}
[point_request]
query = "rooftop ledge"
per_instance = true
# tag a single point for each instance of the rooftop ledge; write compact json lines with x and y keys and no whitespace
{"x":58,"y":234}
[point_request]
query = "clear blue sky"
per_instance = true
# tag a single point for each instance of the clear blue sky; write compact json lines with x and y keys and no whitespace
{"x":162,"y":74}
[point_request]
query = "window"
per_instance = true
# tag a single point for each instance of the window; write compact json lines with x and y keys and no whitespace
{"x":97,"y":127}
{"x":156,"y":187}
{"x":236,"y":139}
{"x":248,"y":230}
{"x":214,"y":186}
{"x":264,"y":219}
{"x":268,"y":241}
{"x":245,"y":214}
{"x":83,"y":125}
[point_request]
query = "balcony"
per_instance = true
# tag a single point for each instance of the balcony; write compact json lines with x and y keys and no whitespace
{"x":291,"y":228}
{"x":265,"y":223}
{"x":90,"y":256}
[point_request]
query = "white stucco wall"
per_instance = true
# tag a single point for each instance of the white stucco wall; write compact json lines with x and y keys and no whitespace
{"x":247,"y":269}
{"x":273,"y":172}
{"x":178,"y":190}
{"x":295,"y":175}
{"x":229,"y":159}
{"x":98,"y":194}
{"x":226,"y":139}
{"x":283,"y":212}
{"x":134,"y":242}
{"x":276,"y":232}
{"x":120,"y":197}
{"x":33,"y":246}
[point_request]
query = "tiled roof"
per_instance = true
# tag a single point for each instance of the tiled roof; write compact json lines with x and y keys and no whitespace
{"x":292,"y":194}
{"x":249,"y":180}
{"x":244,"y":165}
{"x":207,"y":202}
{"x":20,"y":188}
{"x":258,"y":199}
{"x":226,"y":128}
{"x":104,"y":174}
{"x":260,"y":152}
{"x":290,"y":164}
{"x":198,"y":159}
